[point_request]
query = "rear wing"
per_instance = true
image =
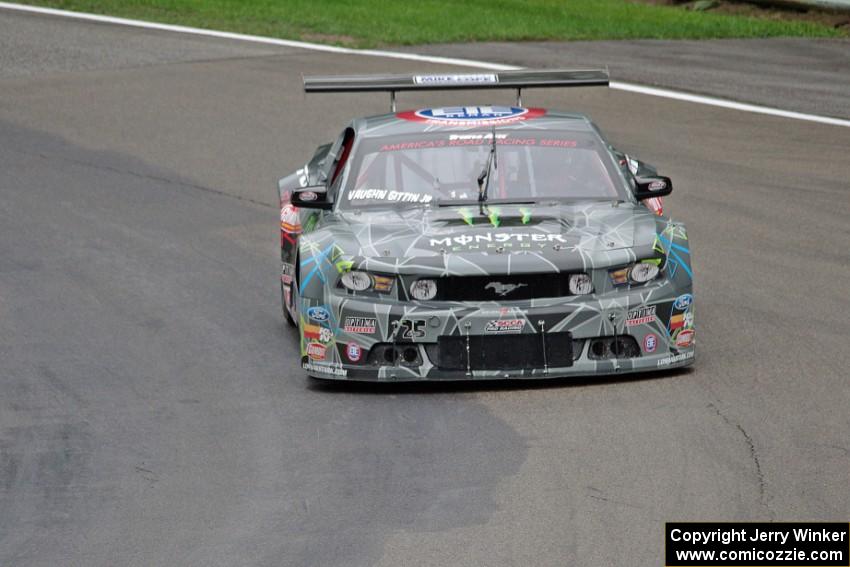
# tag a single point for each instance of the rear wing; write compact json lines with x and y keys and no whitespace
{"x":530,"y":78}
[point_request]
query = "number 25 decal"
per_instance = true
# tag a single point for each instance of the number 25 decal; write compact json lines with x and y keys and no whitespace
{"x":412,"y":328}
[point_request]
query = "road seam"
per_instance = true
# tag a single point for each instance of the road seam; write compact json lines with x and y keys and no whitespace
{"x":753,"y":454}
{"x":617,"y":85}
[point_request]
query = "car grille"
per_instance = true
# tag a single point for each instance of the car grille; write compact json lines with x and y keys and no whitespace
{"x":502,"y":352}
{"x":502,"y":288}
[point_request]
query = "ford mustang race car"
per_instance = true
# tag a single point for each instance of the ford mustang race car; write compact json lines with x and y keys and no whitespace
{"x":481,"y":242}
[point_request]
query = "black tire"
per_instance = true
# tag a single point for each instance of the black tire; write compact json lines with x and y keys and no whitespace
{"x":293,"y":294}
{"x":286,"y":312}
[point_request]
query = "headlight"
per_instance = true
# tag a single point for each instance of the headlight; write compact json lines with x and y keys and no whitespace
{"x":643,"y":272}
{"x":580,"y":284}
{"x":364,"y":281}
{"x":356,"y":281}
{"x":638,"y":273}
{"x":423,"y":290}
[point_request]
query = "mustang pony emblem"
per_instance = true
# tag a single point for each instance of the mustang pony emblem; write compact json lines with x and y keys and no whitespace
{"x":501,"y":289}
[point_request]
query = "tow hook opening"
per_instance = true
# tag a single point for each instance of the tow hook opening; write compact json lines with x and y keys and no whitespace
{"x":620,"y":346}
{"x":388,"y":354}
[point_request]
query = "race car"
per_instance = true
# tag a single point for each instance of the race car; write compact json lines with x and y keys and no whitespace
{"x":481,"y":242}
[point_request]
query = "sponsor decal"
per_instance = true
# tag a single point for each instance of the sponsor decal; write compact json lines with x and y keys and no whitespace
{"x":640,"y":316}
{"x":317,"y":333}
{"x":414,"y":145}
{"x":308,"y":195}
{"x":360,"y":325}
{"x":324,"y":369}
{"x":286,"y":273}
{"x":683,"y":301}
{"x":678,"y":321}
{"x":484,"y":137}
{"x":504,"y":326}
{"x":290,"y":221}
{"x":501,"y":289}
{"x":675,"y":358}
{"x":685,"y":338}
{"x":316,"y":351}
{"x":318,"y":313}
{"x":650,"y":343}
{"x":457,"y":79}
{"x":456,"y":140}
{"x":558,"y":143}
{"x":387,"y":195}
{"x":689,"y":319}
{"x":657,"y":185}
{"x":353,"y":352}
{"x":506,"y":239}
{"x":471,"y":115}
{"x":477,"y":139}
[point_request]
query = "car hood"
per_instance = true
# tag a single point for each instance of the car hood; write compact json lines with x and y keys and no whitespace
{"x":526,"y":238}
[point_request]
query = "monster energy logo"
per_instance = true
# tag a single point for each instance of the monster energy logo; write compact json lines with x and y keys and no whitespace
{"x":498,"y":238}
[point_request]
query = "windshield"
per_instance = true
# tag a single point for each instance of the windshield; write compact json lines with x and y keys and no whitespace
{"x":444,"y":167}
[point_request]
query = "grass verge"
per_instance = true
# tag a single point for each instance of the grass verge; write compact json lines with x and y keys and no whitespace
{"x":371,"y":23}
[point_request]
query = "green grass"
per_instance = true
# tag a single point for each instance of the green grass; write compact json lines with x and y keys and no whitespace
{"x":369,"y":23}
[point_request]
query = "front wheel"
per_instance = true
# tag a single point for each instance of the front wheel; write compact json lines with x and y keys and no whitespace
{"x":286,"y":312}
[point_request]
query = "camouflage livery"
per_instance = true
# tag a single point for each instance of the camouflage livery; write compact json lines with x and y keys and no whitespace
{"x":490,"y":321}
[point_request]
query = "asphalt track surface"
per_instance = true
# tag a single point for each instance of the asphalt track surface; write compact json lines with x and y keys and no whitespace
{"x":152,"y":410}
{"x":798,"y":74}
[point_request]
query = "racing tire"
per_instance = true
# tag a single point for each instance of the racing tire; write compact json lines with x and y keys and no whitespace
{"x":287,"y":315}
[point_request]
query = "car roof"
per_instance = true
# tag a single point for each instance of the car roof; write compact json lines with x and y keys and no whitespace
{"x":416,"y":121}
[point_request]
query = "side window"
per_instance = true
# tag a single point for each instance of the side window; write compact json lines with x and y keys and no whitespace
{"x":316,"y":167}
{"x":343,"y":151}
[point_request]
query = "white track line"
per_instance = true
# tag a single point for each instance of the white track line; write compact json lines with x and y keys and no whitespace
{"x":651,"y":91}
{"x":731,"y":104}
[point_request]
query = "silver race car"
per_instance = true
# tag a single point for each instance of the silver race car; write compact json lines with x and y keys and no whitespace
{"x":481,"y":242}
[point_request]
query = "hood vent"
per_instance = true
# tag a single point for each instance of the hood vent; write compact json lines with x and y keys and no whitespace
{"x":495,"y":221}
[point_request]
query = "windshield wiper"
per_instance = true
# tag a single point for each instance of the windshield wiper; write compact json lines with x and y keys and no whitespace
{"x":491,"y":164}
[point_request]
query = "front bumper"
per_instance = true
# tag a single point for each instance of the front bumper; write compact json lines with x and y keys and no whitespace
{"x":360,"y":339}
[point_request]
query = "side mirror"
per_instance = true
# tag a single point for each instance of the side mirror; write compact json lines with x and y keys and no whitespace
{"x":649,"y":187}
{"x":312,"y":197}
